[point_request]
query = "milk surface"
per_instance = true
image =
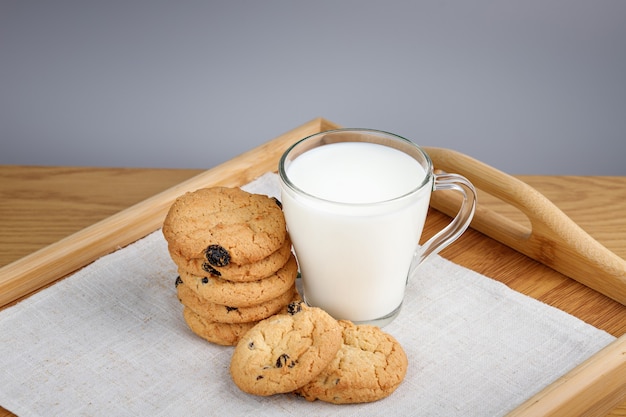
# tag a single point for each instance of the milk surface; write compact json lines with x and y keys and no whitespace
{"x":356,"y":172}
{"x":355,"y":249}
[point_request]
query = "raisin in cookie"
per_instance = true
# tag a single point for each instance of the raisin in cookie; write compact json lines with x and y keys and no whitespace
{"x":225,"y":334}
{"x":224,"y":225}
{"x":243,"y":294}
{"x":285,"y":351}
{"x":369,"y":366}
{"x":234,"y":272}
{"x":229,"y":314}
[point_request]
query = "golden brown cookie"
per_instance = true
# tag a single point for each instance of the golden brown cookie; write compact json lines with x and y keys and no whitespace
{"x":224,"y":225}
{"x":243,"y":294}
{"x":225,"y":334}
{"x":228,"y":314}
{"x":234,"y":272}
{"x":370,"y":365}
{"x":285,"y":351}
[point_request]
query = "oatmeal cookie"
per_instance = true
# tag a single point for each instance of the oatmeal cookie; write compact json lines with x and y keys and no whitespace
{"x":226,"y":334}
{"x":228,"y":314}
{"x":223,"y":225}
{"x":285,"y":351}
{"x":243,"y":294}
{"x":234,"y":272}
{"x":369,"y":366}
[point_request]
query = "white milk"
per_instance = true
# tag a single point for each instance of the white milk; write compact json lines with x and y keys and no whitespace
{"x":355,"y":250}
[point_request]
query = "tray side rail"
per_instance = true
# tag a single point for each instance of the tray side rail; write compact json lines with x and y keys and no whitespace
{"x":552,"y":239}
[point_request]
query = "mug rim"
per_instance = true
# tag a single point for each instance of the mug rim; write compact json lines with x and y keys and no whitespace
{"x":294,"y":188}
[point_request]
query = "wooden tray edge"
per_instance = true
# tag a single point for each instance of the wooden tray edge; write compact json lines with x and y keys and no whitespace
{"x":37,"y":270}
{"x":593,"y":388}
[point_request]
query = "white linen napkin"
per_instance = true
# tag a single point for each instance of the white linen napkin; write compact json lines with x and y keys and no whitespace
{"x":110,"y":340}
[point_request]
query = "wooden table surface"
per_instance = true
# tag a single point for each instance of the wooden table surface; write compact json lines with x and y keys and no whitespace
{"x":40,"y":205}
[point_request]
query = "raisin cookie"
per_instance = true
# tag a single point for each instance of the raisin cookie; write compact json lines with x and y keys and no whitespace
{"x":286,"y":351}
{"x":369,"y":366}
{"x":225,"y":334}
{"x":229,"y":314}
{"x":243,"y":294}
{"x":234,"y":272}
{"x":224,"y":225}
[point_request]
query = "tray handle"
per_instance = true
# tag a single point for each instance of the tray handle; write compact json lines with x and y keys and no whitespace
{"x":552,"y":239}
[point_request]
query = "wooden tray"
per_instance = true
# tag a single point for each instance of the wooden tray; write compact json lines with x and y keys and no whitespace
{"x":593,"y":388}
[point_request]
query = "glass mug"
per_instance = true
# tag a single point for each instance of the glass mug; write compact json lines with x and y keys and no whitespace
{"x":355,"y":202}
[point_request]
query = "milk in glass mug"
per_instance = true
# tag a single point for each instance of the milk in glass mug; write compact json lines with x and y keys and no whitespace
{"x":355,"y":202}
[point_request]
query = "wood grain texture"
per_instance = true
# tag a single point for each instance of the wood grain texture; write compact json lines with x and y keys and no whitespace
{"x":40,"y":205}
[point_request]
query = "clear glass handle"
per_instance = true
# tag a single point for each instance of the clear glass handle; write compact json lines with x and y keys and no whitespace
{"x":457,"y":226}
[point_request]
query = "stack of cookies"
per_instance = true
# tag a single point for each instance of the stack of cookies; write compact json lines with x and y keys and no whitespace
{"x":307,"y":352}
{"x":234,"y":260}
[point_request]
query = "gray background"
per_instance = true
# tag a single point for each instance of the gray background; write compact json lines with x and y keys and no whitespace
{"x":531,"y":87}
